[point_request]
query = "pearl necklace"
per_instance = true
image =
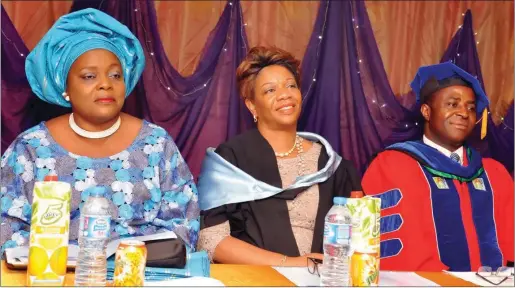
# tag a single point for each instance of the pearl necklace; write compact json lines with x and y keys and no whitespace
{"x":290,"y":151}
{"x":94,"y":135}
{"x":297,"y":145}
{"x":300,"y":151}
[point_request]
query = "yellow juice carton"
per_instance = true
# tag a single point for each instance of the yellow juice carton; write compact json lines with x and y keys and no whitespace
{"x":50,"y":223}
{"x":365,"y":240}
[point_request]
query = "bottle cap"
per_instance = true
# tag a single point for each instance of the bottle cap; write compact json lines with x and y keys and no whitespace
{"x":97,"y":191}
{"x":339,"y":200}
{"x":356,"y":194}
{"x":49,"y":178}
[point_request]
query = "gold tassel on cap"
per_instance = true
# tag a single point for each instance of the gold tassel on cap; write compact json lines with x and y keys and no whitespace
{"x":484,"y":123}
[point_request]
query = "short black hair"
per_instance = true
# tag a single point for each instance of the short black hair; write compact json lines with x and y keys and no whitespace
{"x":432,"y":86}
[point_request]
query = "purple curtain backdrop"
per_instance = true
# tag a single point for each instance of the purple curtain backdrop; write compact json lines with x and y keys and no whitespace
{"x":20,"y":108}
{"x":499,"y":141}
{"x":347,"y":97}
{"x":462,"y":51}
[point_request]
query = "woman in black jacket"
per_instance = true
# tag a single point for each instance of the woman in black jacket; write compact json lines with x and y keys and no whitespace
{"x":265,"y":193}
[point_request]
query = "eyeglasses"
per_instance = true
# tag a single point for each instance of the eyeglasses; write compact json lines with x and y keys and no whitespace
{"x":503,"y":273}
{"x":313,"y":265}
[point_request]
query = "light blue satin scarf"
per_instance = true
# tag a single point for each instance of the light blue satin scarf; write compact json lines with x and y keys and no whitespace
{"x":222,"y":183}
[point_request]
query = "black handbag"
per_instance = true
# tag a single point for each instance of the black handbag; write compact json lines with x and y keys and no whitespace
{"x":166,"y":253}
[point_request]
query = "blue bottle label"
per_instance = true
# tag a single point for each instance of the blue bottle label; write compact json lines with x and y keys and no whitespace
{"x":337,"y":233}
{"x":95,"y":227}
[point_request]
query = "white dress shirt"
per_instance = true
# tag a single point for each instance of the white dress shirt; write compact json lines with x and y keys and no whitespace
{"x":443,"y":150}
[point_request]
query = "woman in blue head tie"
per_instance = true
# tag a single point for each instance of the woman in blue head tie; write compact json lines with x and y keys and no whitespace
{"x":90,"y":62}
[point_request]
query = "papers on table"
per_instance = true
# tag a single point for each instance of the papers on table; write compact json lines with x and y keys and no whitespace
{"x":300,"y":276}
{"x":185,"y":282}
{"x":391,"y":278}
{"x":473,"y":278}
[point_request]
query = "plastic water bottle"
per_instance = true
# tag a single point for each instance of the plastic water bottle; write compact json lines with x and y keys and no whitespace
{"x":94,"y":228}
{"x":337,"y":250}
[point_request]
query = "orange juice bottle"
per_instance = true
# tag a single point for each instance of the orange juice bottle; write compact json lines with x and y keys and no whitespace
{"x":49,"y":229}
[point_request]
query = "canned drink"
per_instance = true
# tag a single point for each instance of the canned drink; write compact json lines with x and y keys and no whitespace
{"x":129,"y":265}
{"x":365,"y":269}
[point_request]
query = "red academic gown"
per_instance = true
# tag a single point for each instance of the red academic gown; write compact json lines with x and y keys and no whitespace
{"x":415,"y":231}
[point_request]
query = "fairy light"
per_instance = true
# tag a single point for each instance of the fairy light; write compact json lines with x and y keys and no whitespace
{"x":203,"y":86}
{"x":313,"y":76}
{"x":148,"y":47}
{"x":380,"y":106}
{"x":384,"y":105}
{"x":242,"y":29}
{"x":503,"y":122}
{"x":14,"y":45}
{"x":225,"y":49}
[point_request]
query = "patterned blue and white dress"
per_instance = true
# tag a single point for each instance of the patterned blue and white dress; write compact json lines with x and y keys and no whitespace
{"x":149,"y":184}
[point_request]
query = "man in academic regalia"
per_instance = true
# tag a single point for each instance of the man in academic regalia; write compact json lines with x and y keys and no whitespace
{"x":444,"y":207}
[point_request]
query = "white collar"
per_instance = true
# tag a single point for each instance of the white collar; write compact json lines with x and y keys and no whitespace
{"x":443,"y":150}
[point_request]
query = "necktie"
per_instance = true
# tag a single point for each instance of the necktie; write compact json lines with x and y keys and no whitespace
{"x":455,"y":157}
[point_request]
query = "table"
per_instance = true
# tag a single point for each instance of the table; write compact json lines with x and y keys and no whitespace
{"x":235,"y":275}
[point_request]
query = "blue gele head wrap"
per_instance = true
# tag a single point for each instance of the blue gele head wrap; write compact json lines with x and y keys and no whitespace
{"x":72,"y":35}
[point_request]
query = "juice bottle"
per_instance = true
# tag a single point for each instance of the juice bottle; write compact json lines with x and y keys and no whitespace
{"x":366,"y":214}
{"x":49,"y":229}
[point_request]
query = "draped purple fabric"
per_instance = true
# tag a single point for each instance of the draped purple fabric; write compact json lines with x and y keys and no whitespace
{"x":462,"y":51}
{"x":347,"y":97}
{"x":500,"y":140}
{"x":21,"y":109}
